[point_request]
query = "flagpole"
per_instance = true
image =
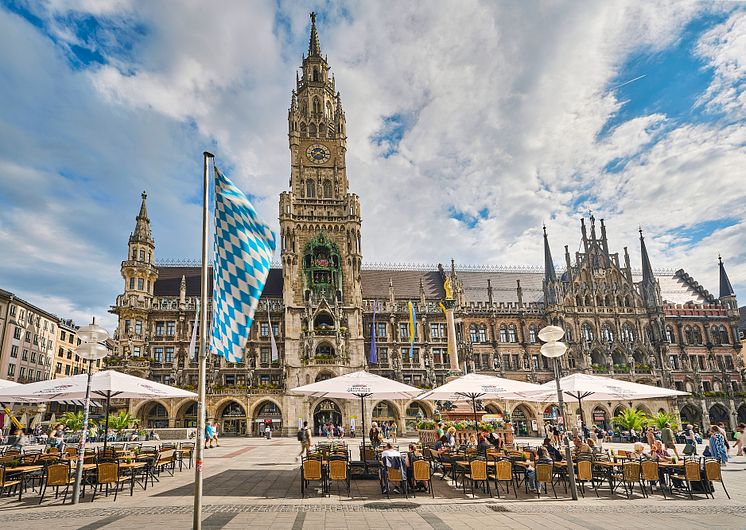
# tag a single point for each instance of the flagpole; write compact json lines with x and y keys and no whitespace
{"x":201,"y":411}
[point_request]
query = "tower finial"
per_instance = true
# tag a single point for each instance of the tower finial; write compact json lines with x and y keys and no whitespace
{"x":726,"y":288}
{"x":314,"y":48}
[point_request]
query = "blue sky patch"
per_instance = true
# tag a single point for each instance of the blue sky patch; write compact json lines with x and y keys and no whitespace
{"x":470,"y":221}
{"x":698,"y":231}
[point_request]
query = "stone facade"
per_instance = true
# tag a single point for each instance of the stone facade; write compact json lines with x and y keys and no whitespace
{"x":27,"y":340}
{"x":659,"y":328}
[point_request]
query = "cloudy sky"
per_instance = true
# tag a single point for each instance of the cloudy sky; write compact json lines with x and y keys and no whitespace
{"x":470,"y":124}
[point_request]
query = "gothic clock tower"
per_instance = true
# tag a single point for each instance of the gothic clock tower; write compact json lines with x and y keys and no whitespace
{"x":320,"y":232}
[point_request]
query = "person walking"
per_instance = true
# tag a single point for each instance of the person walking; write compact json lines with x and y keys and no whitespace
{"x":717,"y":445}
{"x":668,"y":439}
{"x":393,"y":431}
{"x":738,"y":435}
{"x":375,"y":435}
{"x":216,"y":433}
{"x":304,"y":437}
{"x":208,"y":434}
{"x":691,"y":441}
{"x":650,"y":435}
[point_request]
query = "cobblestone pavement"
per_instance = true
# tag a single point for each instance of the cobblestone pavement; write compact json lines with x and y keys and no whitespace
{"x":254,"y":483}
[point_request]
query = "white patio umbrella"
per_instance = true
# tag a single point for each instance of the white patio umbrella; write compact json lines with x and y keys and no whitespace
{"x":4,"y":383}
{"x":596,"y":388}
{"x":360,"y":385}
{"x":471,"y":387}
{"x":107,"y":384}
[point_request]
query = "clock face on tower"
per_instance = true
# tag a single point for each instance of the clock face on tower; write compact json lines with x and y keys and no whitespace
{"x":318,"y":154}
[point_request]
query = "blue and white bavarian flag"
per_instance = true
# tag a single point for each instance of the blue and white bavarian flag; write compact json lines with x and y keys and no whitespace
{"x":244,"y":246}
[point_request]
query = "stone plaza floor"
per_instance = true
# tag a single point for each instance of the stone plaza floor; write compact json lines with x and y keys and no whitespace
{"x":255,"y":483}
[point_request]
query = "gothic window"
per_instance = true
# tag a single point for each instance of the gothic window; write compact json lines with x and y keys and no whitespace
{"x":312,"y":130}
{"x":482,"y":333}
{"x":310,"y":189}
{"x":316,"y":106}
{"x":140,"y":284}
{"x":302,"y":128}
{"x":696,"y":335}
{"x":315,"y":74}
{"x":132,"y":283}
{"x":670,"y":337}
{"x":503,"y":333}
{"x":588,"y":300}
{"x":532,"y":334}
{"x":328,"y":111}
{"x":688,"y":335}
{"x":608,"y":333}
{"x":587,"y":332}
{"x":473,"y":333}
{"x":578,"y":300}
{"x":715,"y":335}
{"x":322,"y":129}
{"x":724,"y":338}
{"x":568,"y":334}
{"x":142,"y":255}
{"x":628,"y":334}
{"x":327,"y":189}
{"x":511,"y":334}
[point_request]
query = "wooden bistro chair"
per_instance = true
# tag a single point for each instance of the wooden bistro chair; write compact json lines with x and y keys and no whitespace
{"x":71,"y":452}
{"x":57,"y":476}
{"x":477,"y":474}
{"x":9,"y":486}
{"x":585,"y":474}
{"x":392,"y":476}
{"x":713,"y":474}
{"x":422,"y":472}
{"x":650,"y":474}
{"x":544,"y":476}
{"x":311,"y":471}
{"x":631,"y":473}
{"x":185,"y":453}
{"x":691,"y":475}
{"x":53,"y":451}
{"x":107,"y":474}
{"x":504,"y":473}
{"x":339,"y":471}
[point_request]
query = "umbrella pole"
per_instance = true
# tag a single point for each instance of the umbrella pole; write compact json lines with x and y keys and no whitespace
{"x":81,"y":442}
{"x":582,"y":416}
{"x":362,"y":428}
{"x":568,"y":454}
{"x":106,"y":420}
{"x":474,"y":406}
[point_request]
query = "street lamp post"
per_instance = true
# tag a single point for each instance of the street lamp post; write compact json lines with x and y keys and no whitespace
{"x":90,"y":349}
{"x":554,"y":349}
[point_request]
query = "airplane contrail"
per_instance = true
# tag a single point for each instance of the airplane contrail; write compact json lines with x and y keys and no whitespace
{"x":630,"y":81}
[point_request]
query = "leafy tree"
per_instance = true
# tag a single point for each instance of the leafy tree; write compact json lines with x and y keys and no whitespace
{"x":630,"y":419}
{"x":74,"y":421}
{"x":660,"y":419}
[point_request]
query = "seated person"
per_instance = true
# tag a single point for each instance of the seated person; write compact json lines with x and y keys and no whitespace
{"x":660,"y":453}
{"x":554,"y":453}
{"x":495,"y":439}
{"x":483,"y":444}
{"x":581,"y":448}
{"x":542,"y":456}
{"x":441,"y":445}
{"x":592,"y":444}
{"x":451,"y":437}
{"x":639,"y":451}
{"x":472,"y":443}
{"x":393,"y":458}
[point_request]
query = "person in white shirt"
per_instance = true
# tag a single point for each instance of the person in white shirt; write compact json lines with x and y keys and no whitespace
{"x":390,"y":451}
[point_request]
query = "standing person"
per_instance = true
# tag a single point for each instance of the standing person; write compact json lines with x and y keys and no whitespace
{"x":739,"y":437}
{"x":375,"y":435}
{"x":556,"y":440}
{"x":650,"y":435}
{"x":304,"y":437}
{"x":690,"y":440}
{"x":57,"y":437}
{"x":717,"y":445}
{"x":216,"y":433}
{"x":668,"y":439}
{"x":439,"y":432}
{"x":392,"y":431}
{"x":721,"y":427}
{"x":267,"y":431}
{"x":385,"y":429}
{"x":208,"y":434}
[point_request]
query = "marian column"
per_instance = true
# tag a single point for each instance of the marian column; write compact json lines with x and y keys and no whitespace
{"x":450,"y":304}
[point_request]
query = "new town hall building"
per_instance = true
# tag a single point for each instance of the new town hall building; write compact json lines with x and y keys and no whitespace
{"x":653,"y":328}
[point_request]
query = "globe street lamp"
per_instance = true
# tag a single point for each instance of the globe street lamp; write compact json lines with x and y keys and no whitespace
{"x":92,"y":349}
{"x":554,"y":349}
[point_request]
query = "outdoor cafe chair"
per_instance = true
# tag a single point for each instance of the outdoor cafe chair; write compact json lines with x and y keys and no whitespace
{"x":71,"y":452}
{"x":504,"y":473}
{"x":57,"y":476}
{"x":392,"y":473}
{"x":422,"y":473}
{"x":692,"y":475}
{"x":53,"y":451}
{"x":185,"y":453}
{"x":713,"y":474}
{"x":544,"y":476}
{"x":631,"y":473}
{"x":107,"y":474}
{"x":585,"y":474}
{"x":12,"y":453}
{"x":339,"y":471}
{"x":8,"y":485}
{"x":651,"y":472}
{"x":311,"y":470}
{"x":477,"y":473}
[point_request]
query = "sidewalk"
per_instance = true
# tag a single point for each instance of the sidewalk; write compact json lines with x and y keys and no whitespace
{"x":255,"y":483}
